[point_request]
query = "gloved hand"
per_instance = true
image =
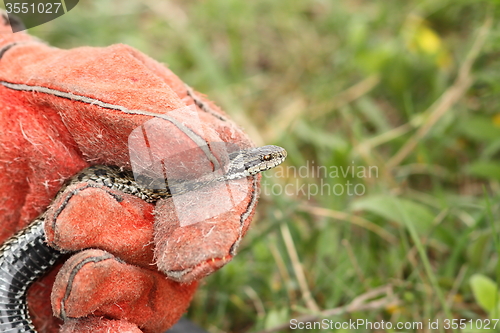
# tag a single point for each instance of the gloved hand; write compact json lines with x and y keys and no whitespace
{"x":132,"y":266}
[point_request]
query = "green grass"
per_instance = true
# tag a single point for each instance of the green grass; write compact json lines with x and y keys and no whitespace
{"x":340,"y":84}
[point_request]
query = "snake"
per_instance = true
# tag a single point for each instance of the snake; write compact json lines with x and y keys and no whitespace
{"x":26,"y":256}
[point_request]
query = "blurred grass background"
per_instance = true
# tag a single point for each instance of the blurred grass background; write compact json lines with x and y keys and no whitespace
{"x":406,"y":91}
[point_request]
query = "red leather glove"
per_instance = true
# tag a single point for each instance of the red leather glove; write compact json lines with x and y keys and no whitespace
{"x":136,"y":264}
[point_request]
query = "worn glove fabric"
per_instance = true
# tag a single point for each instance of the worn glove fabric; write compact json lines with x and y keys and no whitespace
{"x":133,"y":266}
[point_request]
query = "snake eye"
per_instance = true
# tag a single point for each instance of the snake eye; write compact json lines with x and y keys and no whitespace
{"x":267,"y":157}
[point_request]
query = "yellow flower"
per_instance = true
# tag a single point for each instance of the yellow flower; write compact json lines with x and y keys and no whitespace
{"x":496,"y":120}
{"x":393,"y":309}
{"x":421,"y":38}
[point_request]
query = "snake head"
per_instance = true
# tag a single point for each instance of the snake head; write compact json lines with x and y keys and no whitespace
{"x":249,"y":162}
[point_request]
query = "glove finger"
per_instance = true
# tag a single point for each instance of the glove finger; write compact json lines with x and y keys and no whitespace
{"x":94,"y":282}
{"x":92,"y":216}
{"x":190,"y":252}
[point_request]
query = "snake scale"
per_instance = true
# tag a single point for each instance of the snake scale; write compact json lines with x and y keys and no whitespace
{"x":26,"y":257}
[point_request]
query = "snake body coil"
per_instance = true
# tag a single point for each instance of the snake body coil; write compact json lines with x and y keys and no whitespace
{"x":25,"y":257}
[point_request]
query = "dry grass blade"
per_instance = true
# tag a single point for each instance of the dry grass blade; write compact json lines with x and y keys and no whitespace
{"x":282,"y":270}
{"x":359,"y":221}
{"x":349,"y":95}
{"x":298,"y":269}
{"x":360,"y":303}
{"x":448,"y":99}
{"x":366,"y":146}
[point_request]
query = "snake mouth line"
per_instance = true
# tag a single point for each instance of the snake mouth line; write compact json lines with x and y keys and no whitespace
{"x":199,"y":271}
